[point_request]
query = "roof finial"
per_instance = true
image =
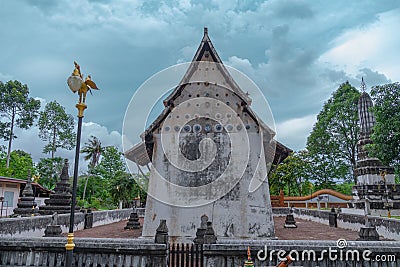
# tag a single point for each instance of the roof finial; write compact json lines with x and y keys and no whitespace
{"x":205,"y":31}
{"x":363,"y":86}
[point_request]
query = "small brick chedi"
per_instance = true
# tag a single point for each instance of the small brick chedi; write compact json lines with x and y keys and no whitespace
{"x":210,"y":154}
{"x":27,"y":205}
{"x":60,"y":200}
{"x":375,"y":190}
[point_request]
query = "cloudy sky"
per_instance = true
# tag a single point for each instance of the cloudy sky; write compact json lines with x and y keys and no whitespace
{"x":297,"y":52}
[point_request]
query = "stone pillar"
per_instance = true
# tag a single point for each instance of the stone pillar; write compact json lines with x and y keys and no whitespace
{"x":209,"y":235}
{"x":333,"y":218}
{"x":54,"y":229}
{"x":290,"y":222}
{"x":162,"y":233}
{"x":201,"y":231}
{"x":88,"y":219}
{"x":368,"y":232}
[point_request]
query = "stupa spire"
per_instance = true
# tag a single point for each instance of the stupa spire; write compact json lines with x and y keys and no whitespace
{"x":365,"y":113}
{"x":363,"y":86}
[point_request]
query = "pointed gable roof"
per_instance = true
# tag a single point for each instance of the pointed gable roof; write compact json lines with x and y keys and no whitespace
{"x":206,"y":50}
{"x":206,"y":66}
{"x":206,"y":53}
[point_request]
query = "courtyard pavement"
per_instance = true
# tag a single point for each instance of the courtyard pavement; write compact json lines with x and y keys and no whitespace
{"x":306,"y":230}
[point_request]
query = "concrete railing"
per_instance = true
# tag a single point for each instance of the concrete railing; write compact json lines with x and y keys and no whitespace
{"x":305,"y":253}
{"x":388,"y":228}
{"x":35,"y":226}
{"x":91,"y":252}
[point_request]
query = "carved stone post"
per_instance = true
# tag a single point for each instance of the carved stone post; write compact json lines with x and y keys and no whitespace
{"x":54,"y":229}
{"x":209,"y":235}
{"x":162,"y":233}
{"x":201,"y":231}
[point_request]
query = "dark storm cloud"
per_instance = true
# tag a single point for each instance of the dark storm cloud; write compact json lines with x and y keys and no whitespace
{"x":373,"y":77}
{"x":279,"y":44}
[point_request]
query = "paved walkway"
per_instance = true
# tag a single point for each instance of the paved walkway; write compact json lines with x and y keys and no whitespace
{"x":306,"y":230}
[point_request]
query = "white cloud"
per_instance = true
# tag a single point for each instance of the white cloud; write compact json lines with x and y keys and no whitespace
{"x":242,"y":64}
{"x":5,"y":77}
{"x":106,"y":137}
{"x":282,"y":45}
{"x":29,"y":141}
{"x":293,"y":133}
{"x":375,"y":46}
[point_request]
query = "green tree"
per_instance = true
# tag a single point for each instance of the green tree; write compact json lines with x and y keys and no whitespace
{"x":56,"y":127}
{"x":333,"y":141}
{"x":291,"y":174}
{"x":49,"y":170}
{"x":142,"y":182}
{"x":97,"y":193}
{"x":20,"y":164}
{"x":111,"y":162}
{"x":122,"y":188}
{"x":108,"y":183}
{"x":125,"y":187}
{"x":17,"y":109}
{"x":93,"y":150}
{"x":101,"y":180}
{"x":345,"y":188}
{"x":386,"y":133}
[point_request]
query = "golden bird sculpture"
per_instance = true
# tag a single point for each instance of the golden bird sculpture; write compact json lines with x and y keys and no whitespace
{"x":77,"y":84}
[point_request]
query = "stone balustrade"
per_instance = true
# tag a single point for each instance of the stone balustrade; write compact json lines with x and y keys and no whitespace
{"x":88,"y":252}
{"x":305,"y":253}
{"x":388,"y":228}
{"x":36,"y":225}
{"x":144,"y":252}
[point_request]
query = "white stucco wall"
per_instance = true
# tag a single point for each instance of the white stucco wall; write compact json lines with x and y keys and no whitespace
{"x":9,"y":187}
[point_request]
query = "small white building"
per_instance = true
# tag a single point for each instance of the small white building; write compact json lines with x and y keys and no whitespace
{"x":10,"y":192}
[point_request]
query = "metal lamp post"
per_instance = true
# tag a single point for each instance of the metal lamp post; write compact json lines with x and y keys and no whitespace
{"x":76,"y":84}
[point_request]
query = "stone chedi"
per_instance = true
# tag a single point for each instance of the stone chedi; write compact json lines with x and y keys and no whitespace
{"x":133,"y":221}
{"x":207,"y":141}
{"x":60,"y":200}
{"x":27,"y":205}
{"x":375,"y":182}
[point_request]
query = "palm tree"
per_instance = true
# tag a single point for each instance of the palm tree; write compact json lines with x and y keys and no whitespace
{"x":93,"y":150}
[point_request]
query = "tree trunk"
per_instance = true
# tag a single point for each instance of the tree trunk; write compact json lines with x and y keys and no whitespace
{"x":54,"y":142}
{"x":84,"y":189}
{"x":10,"y":140}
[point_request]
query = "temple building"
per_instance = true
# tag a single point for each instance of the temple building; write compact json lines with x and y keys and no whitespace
{"x":376,"y":189}
{"x":209,"y":155}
